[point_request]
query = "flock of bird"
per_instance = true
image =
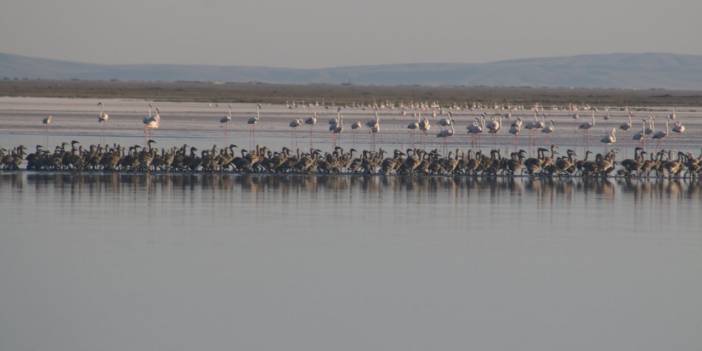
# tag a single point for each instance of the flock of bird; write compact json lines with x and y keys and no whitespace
{"x":422,"y":124}
{"x":261,"y":160}
{"x":137,"y":158}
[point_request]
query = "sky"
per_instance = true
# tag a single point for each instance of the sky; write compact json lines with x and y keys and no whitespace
{"x":323,"y":33}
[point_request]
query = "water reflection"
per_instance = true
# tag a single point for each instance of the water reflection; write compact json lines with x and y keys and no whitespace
{"x":604,"y":189}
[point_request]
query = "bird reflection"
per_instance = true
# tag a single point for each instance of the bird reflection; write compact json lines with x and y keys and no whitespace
{"x":605,"y":189}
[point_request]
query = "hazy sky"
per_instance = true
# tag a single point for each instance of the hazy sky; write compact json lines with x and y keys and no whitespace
{"x":314,"y":33}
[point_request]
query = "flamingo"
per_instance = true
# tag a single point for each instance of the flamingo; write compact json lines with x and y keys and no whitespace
{"x":515,"y":129}
{"x":424,"y":126}
{"x":102,"y":115}
{"x":475,"y":129}
{"x":678,"y":127}
{"x":626,"y":125}
{"x":152,"y":122}
{"x":413,"y":126}
{"x":445,"y":122}
{"x":311,"y":121}
{"x":337,"y":126}
{"x":102,"y":120}
{"x":660,"y":135}
{"x":672,"y":116}
{"x":294,"y":124}
{"x":46,"y":121}
{"x":586,"y":127}
{"x":252,"y":121}
{"x":374,"y":126}
{"x":651,"y":125}
{"x":610,"y":138}
{"x":641,"y":136}
{"x":224,"y":121}
{"x":445,"y":133}
{"x":354,"y":126}
{"x":549,"y":129}
{"x":494,"y":126}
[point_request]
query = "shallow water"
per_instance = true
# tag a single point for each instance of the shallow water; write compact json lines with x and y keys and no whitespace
{"x":197,"y":124}
{"x":183,"y":262}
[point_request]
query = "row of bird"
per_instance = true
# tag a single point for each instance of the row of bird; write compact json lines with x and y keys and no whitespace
{"x":547,"y":162}
{"x":481,"y":123}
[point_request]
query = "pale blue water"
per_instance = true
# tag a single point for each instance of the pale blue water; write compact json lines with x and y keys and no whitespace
{"x":108,"y":262}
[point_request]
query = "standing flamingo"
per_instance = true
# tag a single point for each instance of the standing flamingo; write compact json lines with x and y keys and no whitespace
{"x":445,"y":134}
{"x":374,"y":126}
{"x":548,"y":130}
{"x":224,"y":121}
{"x":252,"y":121}
{"x":475,"y":129}
{"x":355,"y":126}
{"x":678,"y":127}
{"x":46,"y":121}
{"x":641,"y":136}
{"x":515,"y":129}
{"x":494,"y":126}
{"x":151,"y":122}
{"x":660,"y":135}
{"x":424,"y":127}
{"x":610,"y":138}
{"x":294,"y":124}
{"x":336,"y":126}
{"x":586,"y":126}
{"x":311,"y":121}
{"x":628,"y":124}
{"x":102,"y":120}
{"x":413,"y":127}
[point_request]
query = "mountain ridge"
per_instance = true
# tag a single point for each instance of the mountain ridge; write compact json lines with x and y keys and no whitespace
{"x":614,"y":70}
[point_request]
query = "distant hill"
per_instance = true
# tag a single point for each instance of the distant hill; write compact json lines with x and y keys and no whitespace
{"x":636,"y":71}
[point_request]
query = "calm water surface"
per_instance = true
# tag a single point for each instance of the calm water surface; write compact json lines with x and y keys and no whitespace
{"x":120,"y":262}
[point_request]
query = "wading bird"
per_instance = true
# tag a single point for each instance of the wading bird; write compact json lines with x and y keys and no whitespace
{"x":152,"y":122}
{"x":252,"y":121}
{"x":660,"y":135}
{"x":46,"y":121}
{"x":586,"y":126}
{"x":628,"y":124}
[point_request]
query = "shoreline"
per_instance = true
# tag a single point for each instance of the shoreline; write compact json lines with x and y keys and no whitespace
{"x":329,"y":94}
